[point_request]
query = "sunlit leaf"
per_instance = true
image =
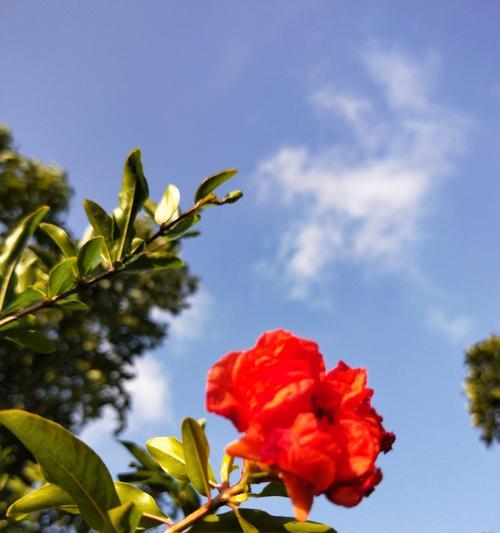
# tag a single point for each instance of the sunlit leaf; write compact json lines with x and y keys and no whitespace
{"x":60,"y":237}
{"x":211,"y":183}
{"x":14,"y":246}
{"x":50,"y":496}
{"x":134,"y":193}
{"x":168,"y":208}
{"x":140,"y":454}
{"x":103,"y":226}
{"x":68,"y":462}
{"x":90,"y":255}
{"x":168,"y":452}
{"x":196,"y":452}
{"x":183,"y":226}
{"x":122,"y":519}
{"x":27,"y":297}
{"x":62,"y":277}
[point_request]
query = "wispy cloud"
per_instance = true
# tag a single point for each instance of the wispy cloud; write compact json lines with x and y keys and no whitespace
{"x":151,"y":402}
{"x":150,"y":392}
{"x":455,"y":327}
{"x":191,"y":324}
{"x":362,"y":201}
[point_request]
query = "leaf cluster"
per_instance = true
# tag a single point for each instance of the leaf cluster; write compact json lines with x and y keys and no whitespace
{"x":482,"y":387}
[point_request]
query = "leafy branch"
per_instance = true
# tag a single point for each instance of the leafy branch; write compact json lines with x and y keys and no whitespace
{"x":112,"y":248}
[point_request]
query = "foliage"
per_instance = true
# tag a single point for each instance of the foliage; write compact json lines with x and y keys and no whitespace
{"x":92,"y":351}
{"x":45,"y":286}
{"x":482,"y":387}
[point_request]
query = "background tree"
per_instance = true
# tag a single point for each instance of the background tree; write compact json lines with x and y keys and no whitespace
{"x":94,"y":350}
{"x":482,"y":387}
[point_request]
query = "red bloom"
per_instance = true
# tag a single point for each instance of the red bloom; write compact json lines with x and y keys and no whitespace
{"x":317,"y":431}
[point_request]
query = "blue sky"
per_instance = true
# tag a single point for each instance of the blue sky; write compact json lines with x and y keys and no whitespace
{"x":366,"y":138}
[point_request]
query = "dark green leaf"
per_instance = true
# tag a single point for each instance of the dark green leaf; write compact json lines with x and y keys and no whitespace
{"x":34,"y":340}
{"x":196,"y":452}
{"x":245,"y":525}
{"x":134,"y":193}
{"x":68,"y":461}
{"x":103,"y":226}
{"x":90,"y":255}
{"x":60,"y":237}
{"x":275,"y":488}
{"x":168,"y":452}
{"x":73,"y":305}
{"x":14,"y":246}
{"x":153,"y":261}
{"x":122,"y":519}
{"x":140,"y":454}
{"x":62,"y":277}
{"x":183,"y":226}
{"x":264,"y":522}
{"x":27,"y":297}
{"x":168,"y":208}
{"x":210,"y":184}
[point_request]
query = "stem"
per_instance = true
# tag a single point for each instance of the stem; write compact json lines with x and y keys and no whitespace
{"x":209,"y":507}
{"x":84,"y":285}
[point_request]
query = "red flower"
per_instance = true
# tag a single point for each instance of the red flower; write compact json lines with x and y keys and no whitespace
{"x":318,"y":431}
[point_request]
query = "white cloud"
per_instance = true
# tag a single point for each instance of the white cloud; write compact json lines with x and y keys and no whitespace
{"x":191,"y":324}
{"x":456,"y":327}
{"x":362,"y":201}
{"x":150,"y":393}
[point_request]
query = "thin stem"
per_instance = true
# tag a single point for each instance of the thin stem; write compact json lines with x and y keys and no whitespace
{"x":209,"y":507}
{"x":84,"y":285}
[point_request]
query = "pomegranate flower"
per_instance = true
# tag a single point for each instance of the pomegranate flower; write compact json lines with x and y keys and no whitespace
{"x":317,"y":431}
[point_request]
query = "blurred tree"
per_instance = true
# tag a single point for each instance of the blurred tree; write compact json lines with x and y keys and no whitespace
{"x":482,"y":387}
{"x":94,"y":349}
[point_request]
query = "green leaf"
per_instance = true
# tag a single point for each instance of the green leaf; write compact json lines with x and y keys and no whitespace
{"x":62,"y":277}
{"x":51,"y":496}
{"x":122,"y":519}
{"x":48,"y":496}
{"x":264,"y":522}
{"x":32,"y":339}
{"x":73,"y":305}
{"x":14,"y":246}
{"x":168,"y":208}
{"x":27,"y":297}
{"x":153,"y":261}
{"x":183,"y":226}
{"x":210,"y":184}
{"x":68,"y":462}
{"x":246,"y":526}
{"x":134,"y":193}
{"x":140,"y":454}
{"x":103,"y":226}
{"x":168,"y":452}
{"x":226,"y":467}
{"x":275,"y":488}
{"x":60,"y":237}
{"x":90,"y":255}
{"x":196,"y":452}
{"x":144,"y":502}
{"x":232,"y":197}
